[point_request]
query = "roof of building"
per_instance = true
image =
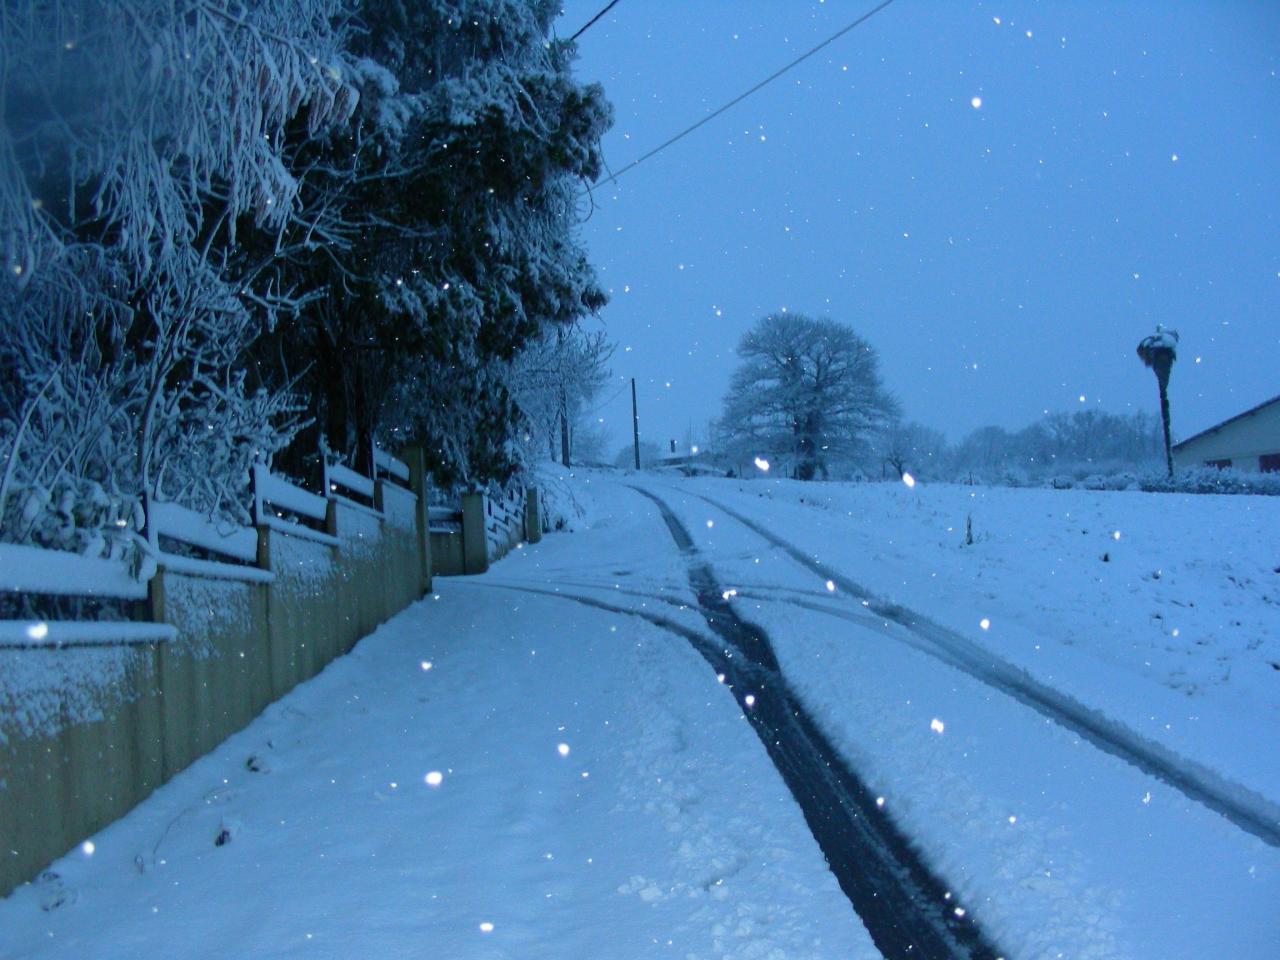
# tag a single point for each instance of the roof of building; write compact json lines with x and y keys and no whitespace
{"x":1218,"y":426}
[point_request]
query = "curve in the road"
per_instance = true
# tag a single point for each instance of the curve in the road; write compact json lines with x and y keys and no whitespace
{"x":905,"y":906}
{"x":1243,"y":807}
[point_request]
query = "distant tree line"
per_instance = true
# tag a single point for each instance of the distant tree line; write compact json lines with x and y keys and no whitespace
{"x":1073,"y":445}
{"x":237,"y":232}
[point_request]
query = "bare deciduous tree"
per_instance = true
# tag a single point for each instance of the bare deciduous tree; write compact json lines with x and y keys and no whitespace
{"x":553,"y":380}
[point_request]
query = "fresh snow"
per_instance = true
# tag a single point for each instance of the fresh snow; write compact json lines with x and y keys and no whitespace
{"x":504,"y":771}
{"x":189,"y":526}
{"x":1160,"y":610}
{"x":416,"y":792}
{"x":1059,"y":848}
{"x":26,"y":569}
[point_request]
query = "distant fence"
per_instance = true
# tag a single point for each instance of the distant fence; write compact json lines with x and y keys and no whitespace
{"x":472,"y":530}
{"x":95,"y":714}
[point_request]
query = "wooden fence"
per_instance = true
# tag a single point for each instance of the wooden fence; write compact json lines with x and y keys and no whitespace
{"x":96,"y":714}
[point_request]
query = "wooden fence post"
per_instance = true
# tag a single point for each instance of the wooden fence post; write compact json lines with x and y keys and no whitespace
{"x":416,"y":457}
{"x":475,"y":549}
{"x":532,"y":516}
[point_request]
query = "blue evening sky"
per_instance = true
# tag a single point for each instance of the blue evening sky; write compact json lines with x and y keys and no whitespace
{"x":1121,"y":169}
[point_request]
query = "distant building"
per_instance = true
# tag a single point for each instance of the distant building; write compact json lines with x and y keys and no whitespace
{"x":1249,"y":441}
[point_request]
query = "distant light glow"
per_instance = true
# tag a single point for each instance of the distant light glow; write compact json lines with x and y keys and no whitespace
{"x":426,"y":664}
{"x":710,"y":524}
{"x":486,"y":927}
{"x":434,"y":778}
{"x":936,"y":725}
{"x":88,"y":848}
{"x":762,"y":464}
{"x":1115,"y":534}
{"x":694,"y":448}
{"x":563,"y":749}
{"x":984,"y":623}
{"x":976,"y":103}
{"x":831,"y":587}
{"x":879,"y":801}
{"x":38,"y":631}
{"x":749,"y":699}
{"x":909,"y":480}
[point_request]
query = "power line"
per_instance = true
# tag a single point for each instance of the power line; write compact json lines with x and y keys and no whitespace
{"x":742,"y":96}
{"x":592,"y":21}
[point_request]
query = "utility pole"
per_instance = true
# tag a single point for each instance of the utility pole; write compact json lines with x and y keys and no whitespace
{"x":635,"y":423}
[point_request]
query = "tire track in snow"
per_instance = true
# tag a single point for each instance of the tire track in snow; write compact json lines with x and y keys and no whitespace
{"x":1245,"y":808}
{"x":904,"y":905}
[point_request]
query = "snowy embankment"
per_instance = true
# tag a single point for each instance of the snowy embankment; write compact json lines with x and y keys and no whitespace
{"x":1162,"y":611}
{"x":491,"y":774}
{"x":1059,"y":846}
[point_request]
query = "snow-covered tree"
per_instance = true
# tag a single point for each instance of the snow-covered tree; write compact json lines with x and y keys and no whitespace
{"x":138,"y":141}
{"x":911,"y":447}
{"x":221,"y":220}
{"x":553,"y":381}
{"x":451,"y":207}
{"x":807,"y":393}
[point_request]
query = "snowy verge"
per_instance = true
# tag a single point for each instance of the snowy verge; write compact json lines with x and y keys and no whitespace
{"x":566,"y":496}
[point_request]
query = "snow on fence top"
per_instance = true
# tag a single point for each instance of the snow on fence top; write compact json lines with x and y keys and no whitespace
{"x":336,"y":476}
{"x":187,"y":526}
{"x":36,"y":570}
{"x":268,"y":488}
{"x":444,"y":519}
{"x":60,"y":634}
{"x":386,"y":462}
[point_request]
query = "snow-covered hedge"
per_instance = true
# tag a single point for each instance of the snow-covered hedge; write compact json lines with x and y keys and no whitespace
{"x":1212,"y":480}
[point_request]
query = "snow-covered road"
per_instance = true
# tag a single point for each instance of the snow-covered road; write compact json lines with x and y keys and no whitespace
{"x":541,"y":763}
{"x":1062,"y":827}
{"x":575,"y":778}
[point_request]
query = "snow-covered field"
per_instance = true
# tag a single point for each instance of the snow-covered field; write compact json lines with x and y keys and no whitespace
{"x":1062,"y":849}
{"x":1162,"y":610}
